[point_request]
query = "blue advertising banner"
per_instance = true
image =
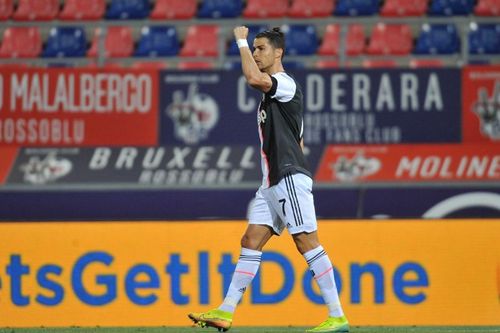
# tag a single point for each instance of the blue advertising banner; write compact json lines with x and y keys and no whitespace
{"x":376,"y":106}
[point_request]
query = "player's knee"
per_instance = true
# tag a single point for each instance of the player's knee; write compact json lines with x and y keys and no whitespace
{"x":249,"y":242}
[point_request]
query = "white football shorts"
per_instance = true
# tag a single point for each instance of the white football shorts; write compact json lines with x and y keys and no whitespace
{"x":289,"y":204}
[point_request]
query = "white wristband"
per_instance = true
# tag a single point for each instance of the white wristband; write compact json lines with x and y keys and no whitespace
{"x":242,"y":43}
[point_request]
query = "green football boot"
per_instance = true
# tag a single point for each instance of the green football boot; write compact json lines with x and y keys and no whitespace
{"x":332,"y":324}
{"x":219,"y":319}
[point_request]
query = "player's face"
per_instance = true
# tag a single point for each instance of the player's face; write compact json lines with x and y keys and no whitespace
{"x":263,"y":54}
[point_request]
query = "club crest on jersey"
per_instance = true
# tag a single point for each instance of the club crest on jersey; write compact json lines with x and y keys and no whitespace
{"x":194,"y":115}
{"x":261,"y":116}
{"x":488,"y":110}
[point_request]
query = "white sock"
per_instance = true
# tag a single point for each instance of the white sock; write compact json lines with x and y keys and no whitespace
{"x":246,"y":268}
{"x":322,"y":271}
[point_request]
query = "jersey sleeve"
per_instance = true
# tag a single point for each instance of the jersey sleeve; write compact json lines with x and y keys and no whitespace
{"x":283,"y":88}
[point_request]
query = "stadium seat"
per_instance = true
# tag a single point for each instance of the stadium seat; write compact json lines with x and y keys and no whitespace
{"x":39,"y":10}
{"x":356,"y":7}
{"x":487,"y":8}
{"x":128,"y":9}
{"x":437,"y":39}
{"x":404,"y":8}
{"x":484,"y":38}
{"x":451,"y":7}
{"x":157,"y":41}
{"x":201,"y":41}
{"x":66,"y":42}
{"x":6,"y":9}
{"x":195,"y":65}
{"x":220,"y":8}
{"x":355,"y":40}
{"x":23,"y":42}
{"x":379,"y":63}
{"x":174,"y":9}
{"x":311,"y":8}
{"x":265,"y":8}
{"x":253,"y":30}
{"x":325,"y":64}
{"x":426,"y":63}
{"x":83,"y":10}
{"x":300,"y":39}
{"x":395,"y":39}
{"x":118,"y":42}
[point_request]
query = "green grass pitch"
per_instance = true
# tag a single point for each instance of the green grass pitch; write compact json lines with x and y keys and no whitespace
{"x":428,"y":329}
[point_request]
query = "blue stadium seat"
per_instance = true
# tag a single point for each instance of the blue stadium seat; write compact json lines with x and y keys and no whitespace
{"x":253,"y":30}
{"x":66,"y":42}
{"x":356,"y":7}
{"x":128,"y":9}
{"x":300,"y":39}
{"x":437,"y":39}
{"x":157,"y":41}
{"x":484,"y":38}
{"x":451,"y":7}
{"x":220,"y":8}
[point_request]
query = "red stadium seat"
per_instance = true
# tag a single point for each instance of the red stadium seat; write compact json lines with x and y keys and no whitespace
{"x":426,"y":63}
{"x":326,"y":64}
{"x":355,"y":40}
{"x":6,"y":9}
{"x":311,"y":8}
{"x":24,"y":42}
{"x":118,"y":42}
{"x":201,"y":41}
{"x":83,"y":10}
{"x":193,"y":65}
{"x":487,"y":8}
{"x":174,"y":9}
{"x":265,"y":8}
{"x":36,"y":10}
{"x":395,"y":39}
{"x":404,"y":8}
{"x":379,"y":63}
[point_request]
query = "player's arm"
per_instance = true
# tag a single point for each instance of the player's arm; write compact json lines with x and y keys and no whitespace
{"x":255,"y":78}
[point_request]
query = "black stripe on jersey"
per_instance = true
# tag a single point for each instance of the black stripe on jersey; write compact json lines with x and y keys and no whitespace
{"x":316,"y":257}
{"x":293,"y":200}
{"x":297,"y":200}
{"x":274,"y":86}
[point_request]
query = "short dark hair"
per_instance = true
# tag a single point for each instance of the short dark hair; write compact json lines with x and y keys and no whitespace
{"x":276,"y":38}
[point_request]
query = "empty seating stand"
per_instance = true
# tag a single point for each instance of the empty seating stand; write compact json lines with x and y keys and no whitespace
{"x":402,"y":8}
{"x":390,"y":39}
{"x":300,"y":39}
{"x":21,"y":42}
{"x":201,"y":41}
{"x":157,"y":41}
{"x":220,"y":9}
{"x":484,"y":39}
{"x":437,"y":39}
{"x":83,"y":10}
{"x":356,"y":7}
{"x":487,"y":8}
{"x":451,"y":7}
{"x":118,"y":42}
{"x":66,"y":42}
{"x":128,"y":9}
{"x":311,"y":8}
{"x":355,"y":40}
{"x":6,"y":9}
{"x":36,"y":10}
{"x":174,"y":9}
{"x":266,"y":9}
